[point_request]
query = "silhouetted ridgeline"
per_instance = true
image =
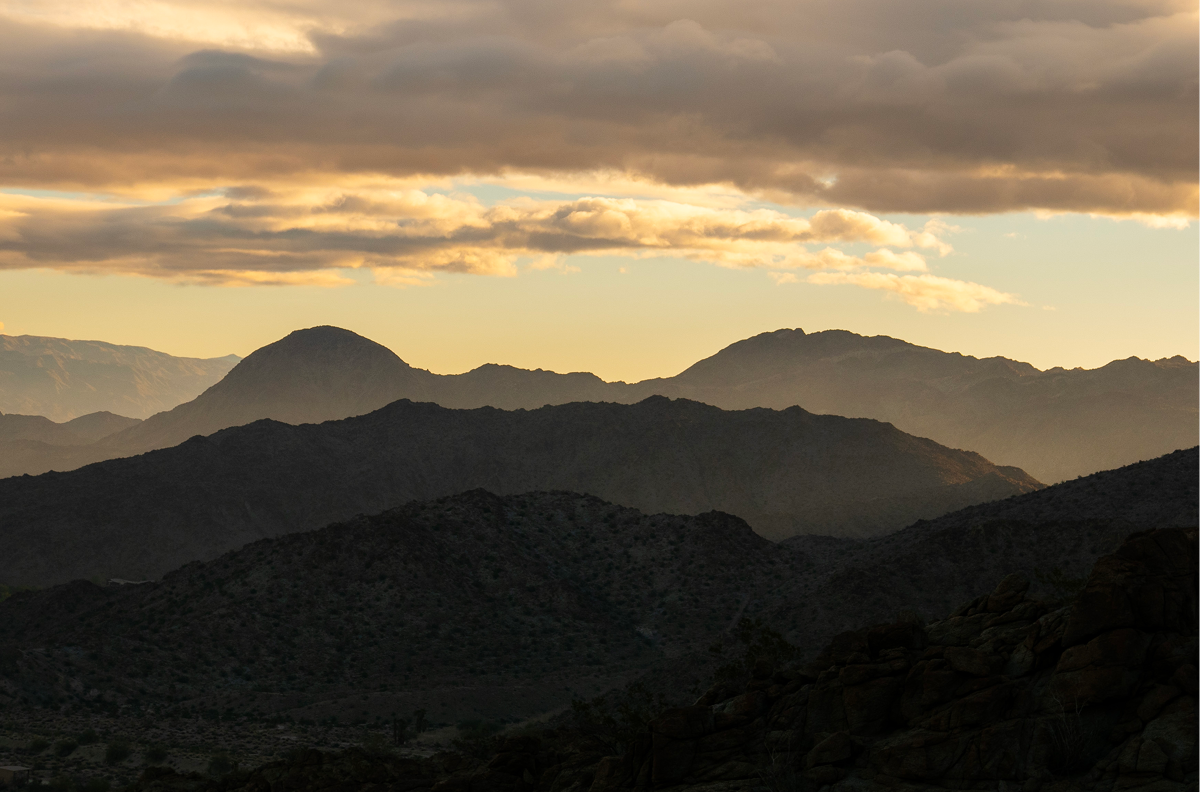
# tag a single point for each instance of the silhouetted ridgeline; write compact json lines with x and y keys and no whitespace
{"x":1054,"y":424}
{"x":783,"y":472}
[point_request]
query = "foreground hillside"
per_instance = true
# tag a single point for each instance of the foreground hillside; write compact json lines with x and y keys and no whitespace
{"x":1009,"y":692}
{"x":479,"y":606}
{"x":1052,"y":536}
{"x":471,"y":606}
{"x":783,"y":472}
{"x":62,"y":379}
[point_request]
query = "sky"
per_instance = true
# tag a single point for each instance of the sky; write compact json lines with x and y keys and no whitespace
{"x":618,"y":187}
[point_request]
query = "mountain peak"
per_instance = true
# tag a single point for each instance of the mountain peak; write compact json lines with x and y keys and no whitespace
{"x":325,"y":340}
{"x":312,"y":375}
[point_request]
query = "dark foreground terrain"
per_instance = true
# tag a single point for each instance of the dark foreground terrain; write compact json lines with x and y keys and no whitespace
{"x":1008,"y":692}
{"x":495,"y":610}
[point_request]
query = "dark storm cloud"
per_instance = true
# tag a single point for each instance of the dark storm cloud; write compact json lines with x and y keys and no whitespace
{"x":929,"y":106}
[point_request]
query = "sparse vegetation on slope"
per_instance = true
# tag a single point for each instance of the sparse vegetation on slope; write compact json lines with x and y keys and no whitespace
{"x":478,"y":607}
{"x":783,"y":472}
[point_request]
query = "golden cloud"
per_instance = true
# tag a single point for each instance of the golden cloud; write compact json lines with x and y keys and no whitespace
{"x":254,"y":235}
{"x":924,"y":292}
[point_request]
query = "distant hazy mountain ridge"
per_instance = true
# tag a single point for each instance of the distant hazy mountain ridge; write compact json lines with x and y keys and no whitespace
{"x":1054,"y":424}
{"x":64,"y":379}
{"x":782,"y":471}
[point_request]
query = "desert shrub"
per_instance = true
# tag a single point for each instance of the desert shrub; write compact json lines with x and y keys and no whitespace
{"x":37,"y":745}
{"x":475,"y":738}
{"x":1065,"y":587}
{"x":478,"y":729}
{"x":65,"y":747}
{"x":96,"y":784}
{"x":88,"y":737}
{"x":219,"y":764}
{"x":156,"y":754}
{"x":779,"y":767}
{"x":376,"y":744}
{"x":619,"y":717}
{"x":754,"y":646}
{"x":1068,"y":739}
{"x":116,"y":752}
{"x":62,"y":783}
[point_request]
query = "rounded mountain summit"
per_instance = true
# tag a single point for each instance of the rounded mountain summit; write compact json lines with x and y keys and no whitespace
{"x":317,"y":374}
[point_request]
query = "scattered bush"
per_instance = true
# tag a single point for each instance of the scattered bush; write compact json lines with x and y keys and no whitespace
{"x":116,"y":752}
{"x":156,"y":754}
{"x":65,"y":747}
{"x":618,"y":717}
{"x":88,"y":737}
{"x":96,"y":784}
{"x":62,"y":783}
{"x":477,"y":729}
{"x":221,"y":765}
{"x":761,"y":651}
{"x":1068,"y":739}
{"x":37,"y":745}
{"x":376,"y":744}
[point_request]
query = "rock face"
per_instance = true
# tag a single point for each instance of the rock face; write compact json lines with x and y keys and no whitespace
{"x":783,"y":472}
{"x":1008,"y":693}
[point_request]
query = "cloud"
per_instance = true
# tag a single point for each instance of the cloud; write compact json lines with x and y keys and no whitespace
{"x":258,"y":235}
{"x":924,"y":292}
{"x":265,"y":236}
{"x":1057,"y":106}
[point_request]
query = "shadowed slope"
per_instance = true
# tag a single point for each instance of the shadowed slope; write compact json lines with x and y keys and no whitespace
{"x":784,"y":472}
{"x":484,"y":606}
{"x":1054,"y":424}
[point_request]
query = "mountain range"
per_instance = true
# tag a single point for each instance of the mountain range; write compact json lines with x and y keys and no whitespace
{"x":785,"y":472}
{"x":479,"y":605}
{"x":1055,"y":424}
{"x":63,"y":379}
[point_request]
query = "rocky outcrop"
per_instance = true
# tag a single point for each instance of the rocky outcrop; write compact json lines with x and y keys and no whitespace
{"x":1007,"y":693}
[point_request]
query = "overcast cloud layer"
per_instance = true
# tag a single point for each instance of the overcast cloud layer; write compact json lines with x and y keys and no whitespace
{"x":929,"y":106}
